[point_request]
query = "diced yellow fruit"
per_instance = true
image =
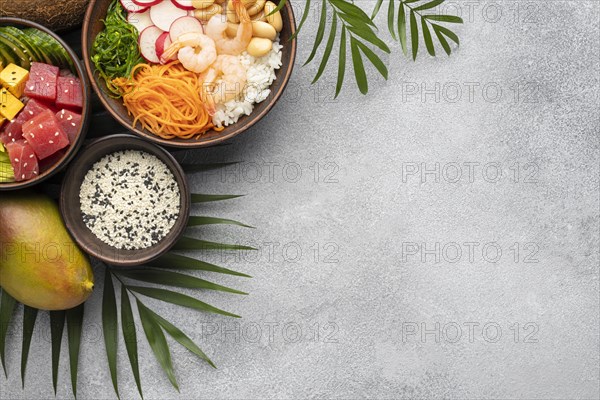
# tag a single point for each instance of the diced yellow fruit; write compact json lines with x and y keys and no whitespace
{"x":14,"y":78}
{"x":9,"y":105}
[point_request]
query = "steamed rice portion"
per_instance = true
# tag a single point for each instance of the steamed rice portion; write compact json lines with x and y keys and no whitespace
{"x":260,"y":75}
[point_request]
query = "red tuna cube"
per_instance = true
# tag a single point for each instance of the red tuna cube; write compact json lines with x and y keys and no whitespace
{"x":70,"y":123}
{"x":13,"y":130}
{"x":45,"y":134}
{"x":69,"y":93}
{"x":23,"y":160}
{"x":42,"y":82}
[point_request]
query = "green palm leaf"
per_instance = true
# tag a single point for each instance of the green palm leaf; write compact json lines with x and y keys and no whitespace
{"x":445,"y":31}
{"x":158,"y":342}
{"x":130,"y":337}
{"x":176,"y":261}
{"x":414,"y":34}
{"x":320,"y":32}
{"x":402,"y":28}
{"x":376,"y":8}
{"x":341,"y":63}
{"x":201,"y":220}
{"x":359,"y":69}
{"x":7,"y":309}
{"x":374,"y":59}
{"x":429,"y":5}
{"x":179,"y":299}
{"x":302,"y":21}
{"x":452,"y":19}
{"x":442,"y":39}
{"x":57,"y":325}
{"x":206,"y":198}
{"x":74,"y":329}
{"x":176,"y":279}
{"x":391,"y":11}
{"x":427,"y":38}
{"x":328,"y":48}
{"x":29,"y":317}
{"x":110,"y":325}
{"x":187,"y":243}
{"x":182,"y":338}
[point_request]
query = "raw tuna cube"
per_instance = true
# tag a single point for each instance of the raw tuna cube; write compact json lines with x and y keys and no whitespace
{"x":42,"y":82}
{"x":69,"y":94}
{"x":23,"y":160}
{"x":13,"y":130}
{"x":70,"y":123}
{"x":45,"y":134}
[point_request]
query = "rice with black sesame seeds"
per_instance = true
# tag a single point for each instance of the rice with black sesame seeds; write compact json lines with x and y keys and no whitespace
{"x":130,"y":200}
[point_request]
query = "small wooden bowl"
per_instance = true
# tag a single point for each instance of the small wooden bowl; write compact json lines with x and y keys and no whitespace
{"x":85,"y":111}
{"x":70,"y":205}
{"x":92,"y":25}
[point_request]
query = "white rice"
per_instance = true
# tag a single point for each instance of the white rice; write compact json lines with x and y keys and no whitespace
{"x":260,"y":75}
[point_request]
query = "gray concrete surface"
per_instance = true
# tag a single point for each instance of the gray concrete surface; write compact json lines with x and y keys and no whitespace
{"x":378,"y":279}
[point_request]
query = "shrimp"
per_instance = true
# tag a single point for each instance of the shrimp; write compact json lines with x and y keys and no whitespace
{"x":223,"y":81}
{"x":217,"y":27}
{"x":195,"y":51}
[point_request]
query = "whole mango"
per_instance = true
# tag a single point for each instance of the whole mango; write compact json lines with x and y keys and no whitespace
{"x":40,"y":265}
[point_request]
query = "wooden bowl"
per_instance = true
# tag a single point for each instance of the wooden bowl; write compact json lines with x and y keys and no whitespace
{"x":92,"y":25}
{"x":85,"y":111}
{"x":70,"y":205}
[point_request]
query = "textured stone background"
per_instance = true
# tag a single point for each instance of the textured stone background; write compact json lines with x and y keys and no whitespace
{"x":345,"y":302}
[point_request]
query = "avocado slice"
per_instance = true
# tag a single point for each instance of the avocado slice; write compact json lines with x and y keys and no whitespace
{"x":22,"y":38}
{"x":22,"y":59}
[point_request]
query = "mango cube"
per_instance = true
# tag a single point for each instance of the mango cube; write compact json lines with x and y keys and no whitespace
{"x":14,"y":78}
{"x":9,"y":104}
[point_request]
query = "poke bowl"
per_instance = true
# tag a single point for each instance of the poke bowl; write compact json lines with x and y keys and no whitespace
{"x":44,"y":103}
{"x":188,"y":73}
{"x":124,"y":200}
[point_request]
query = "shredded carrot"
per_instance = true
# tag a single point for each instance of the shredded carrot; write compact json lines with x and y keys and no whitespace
{"x":166,"y":100}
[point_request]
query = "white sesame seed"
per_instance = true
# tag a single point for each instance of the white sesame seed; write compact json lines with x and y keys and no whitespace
{"x":31,"y":156}
{"x":56,"y":133}
{"x":73,"y":123}
{"x":16,"y":159}
{"x":23,"y":176}
{"x":40,"y":126}
{"x":51,"y":141}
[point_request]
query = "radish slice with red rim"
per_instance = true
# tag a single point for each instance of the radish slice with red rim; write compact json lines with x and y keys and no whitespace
{"x":184,"y":25}
{"x":184,"y":4}
{"x":165,"y":13}
{"x":147,"y":43}
{"x":146,"y":3}
{"x":140,"y":20}
{"x":132,"y":7}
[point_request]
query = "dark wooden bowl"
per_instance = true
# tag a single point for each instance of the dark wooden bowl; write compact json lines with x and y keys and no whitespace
{"x":70,"y":205}
{"x":92,"y":25}
{"x":85,"y":111}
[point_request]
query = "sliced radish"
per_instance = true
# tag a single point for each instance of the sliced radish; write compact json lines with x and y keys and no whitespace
{"x":163,"y":42}
{"x":184,"y":4}
{"x":165,"y":13}
{"x":184,"y":25}
{"x":140,"y":20}
{"x":146,"y":3}
{"x":147,"y":43}
{"x":131,"y":7}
